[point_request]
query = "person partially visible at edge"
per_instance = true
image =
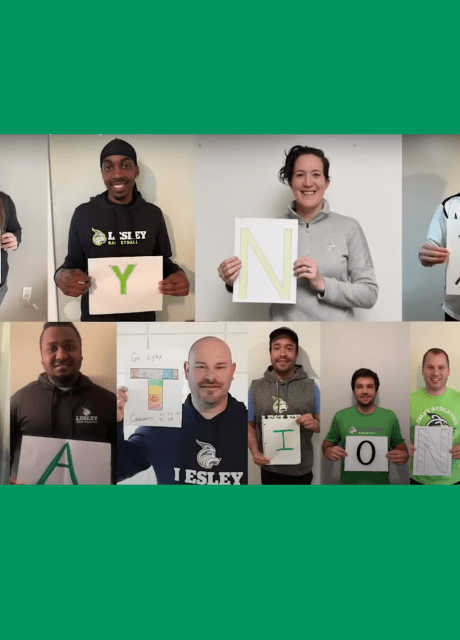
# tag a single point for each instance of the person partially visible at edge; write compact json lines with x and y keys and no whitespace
{"x":365,"y":418}
{"x":98,"y":229}
{"x":58,"y":403}
{"x":211,"y":447}
{"x":335,"y":272}
{"x":10,"y":237}
{"x":435,"y":405}
{"x":434,"y":250}
{"x":284,"y":389}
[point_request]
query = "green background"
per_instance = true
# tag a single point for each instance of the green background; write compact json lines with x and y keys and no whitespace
{"x":179,"y":562}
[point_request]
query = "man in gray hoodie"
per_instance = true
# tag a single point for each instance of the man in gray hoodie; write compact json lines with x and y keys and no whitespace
{"x":284,"y":389}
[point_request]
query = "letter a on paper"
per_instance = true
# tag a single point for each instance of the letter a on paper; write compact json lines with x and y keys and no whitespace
{"x":55,"y":463}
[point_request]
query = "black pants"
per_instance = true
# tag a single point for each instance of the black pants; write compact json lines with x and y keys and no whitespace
{"x":268,"y":477}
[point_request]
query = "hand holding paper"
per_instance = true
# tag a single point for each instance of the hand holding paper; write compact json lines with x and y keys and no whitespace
{"x":176,"y":284}
{"x":335,"y":453}
{"x":455,"y":451}
{"x":431,"y":254}
{"x":229,"y":270}
{"x":122,"y":399}
{"x":8,"y":241}
{"x":73,"y":282}
{"x":309,"y":422}
{"x":307,"y":268}
{"x":398,"y":456}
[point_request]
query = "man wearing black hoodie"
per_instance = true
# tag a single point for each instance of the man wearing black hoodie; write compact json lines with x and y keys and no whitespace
{"x":62,"y":403}
{"x":211,"y":445}
{"x":117,"y":223}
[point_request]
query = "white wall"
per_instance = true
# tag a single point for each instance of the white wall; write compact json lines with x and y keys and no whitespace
{"x":25,"y":178}
{"x":238,"y":177}
{"x":309,"y":358}
{"x":430,"y":174}
{"x":166,"y":179}
{"x":427,"y":335}
{"x":382,"y":347}
{"x":98,"y":348}
{"x":140,"y":335}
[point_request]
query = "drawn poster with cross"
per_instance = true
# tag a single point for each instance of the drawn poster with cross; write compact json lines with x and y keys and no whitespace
{"x":125,"y":285}
{"x":281,"y":439}
{"x":268,"y":250}
{"x":155,"y":381}
{"x":58,"y":461}
{"x":453,"y":262}
{"x":432,"y":446}
{"x":366,"y":453}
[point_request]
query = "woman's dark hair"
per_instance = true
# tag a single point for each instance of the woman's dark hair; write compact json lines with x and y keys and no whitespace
{"x":2,"y":212}
{"x":365,"y":373}
{"x":286,"y":172}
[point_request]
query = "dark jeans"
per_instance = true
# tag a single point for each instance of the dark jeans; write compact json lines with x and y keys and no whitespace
{"x":449,"y":318}
{"x":268,"y":477}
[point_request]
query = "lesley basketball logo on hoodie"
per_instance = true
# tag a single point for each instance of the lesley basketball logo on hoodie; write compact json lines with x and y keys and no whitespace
{"x":124,"y":237}
{"x":207,"y":459}
{"x":86,"y":417}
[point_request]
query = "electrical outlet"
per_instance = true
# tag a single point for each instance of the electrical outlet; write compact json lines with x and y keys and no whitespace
{"x":26,"y":293}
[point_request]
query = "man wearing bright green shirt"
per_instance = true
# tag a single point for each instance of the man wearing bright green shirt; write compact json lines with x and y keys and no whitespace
{"x":365,"y":419}
{"x":436,"y":406}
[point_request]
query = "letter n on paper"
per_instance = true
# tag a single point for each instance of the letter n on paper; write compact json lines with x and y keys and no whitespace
{"x":267,"y":249}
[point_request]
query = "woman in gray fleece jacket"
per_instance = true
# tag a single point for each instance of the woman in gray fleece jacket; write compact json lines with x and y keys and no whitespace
{"x":335,"y":271}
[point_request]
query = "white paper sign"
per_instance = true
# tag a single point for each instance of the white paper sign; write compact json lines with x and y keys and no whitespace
{"x":268,"y":250}
{"x":125,"y":285}
{"x":58,"y":461}
{"x":366,"y":453}
{"x":453,"y":262}
{"x":154,"y":380}
{"x":281,"y":439}
{"x":432,"y":457}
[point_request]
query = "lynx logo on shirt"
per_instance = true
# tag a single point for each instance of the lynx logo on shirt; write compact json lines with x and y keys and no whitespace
{"x":352,"y":430}
{"x":99,"y":237}
{"x":208,"y":477}
{"x":437,"y":421}
{"x":280,"y":405}
{"x":124,"y":237}
{"x":86,"y":417}
{"x":207,"y":456}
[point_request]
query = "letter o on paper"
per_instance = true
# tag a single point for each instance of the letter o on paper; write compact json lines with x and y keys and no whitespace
{"x":358,"y":452}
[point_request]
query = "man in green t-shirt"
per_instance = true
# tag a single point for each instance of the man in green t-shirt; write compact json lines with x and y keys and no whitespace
{"x":365,"y":419}
{"x":436,"y":406}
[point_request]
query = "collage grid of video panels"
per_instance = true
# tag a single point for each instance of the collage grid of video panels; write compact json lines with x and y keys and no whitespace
{"x":390,"y":185}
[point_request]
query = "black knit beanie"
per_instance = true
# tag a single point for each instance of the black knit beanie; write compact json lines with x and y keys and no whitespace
{"x":118,"y":147}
